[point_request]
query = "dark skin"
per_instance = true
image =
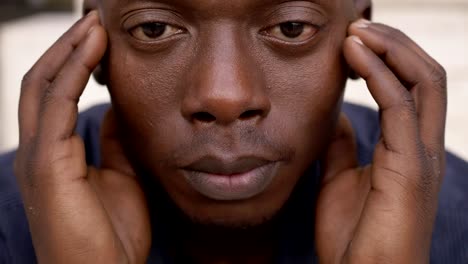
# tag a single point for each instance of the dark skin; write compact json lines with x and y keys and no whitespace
{"x":225,"y":80}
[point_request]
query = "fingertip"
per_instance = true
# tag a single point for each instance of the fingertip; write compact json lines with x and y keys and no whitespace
{"x":350,"y":45}
{"x":90,"y":31}
{"x":361,"y":23}
{"x":96,"y":42}
{"x":97,"y":32}
{"x":93,"y":15}
{"x":353,"y":39}
{"x":359,"y":26}
{"x":357,"y":40}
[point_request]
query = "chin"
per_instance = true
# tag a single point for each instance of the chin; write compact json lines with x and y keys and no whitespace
{"x":245,"y":214}
{"x":229,"y":221}
{"x":258,"y":210}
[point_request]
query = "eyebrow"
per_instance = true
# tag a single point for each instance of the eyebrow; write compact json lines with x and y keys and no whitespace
{"x":192,"y":4}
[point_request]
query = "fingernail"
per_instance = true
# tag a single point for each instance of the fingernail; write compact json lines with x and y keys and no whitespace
{"x":362,"y":23}
{"x":91,"y":13}
{"x":357,"y":40}
{"x":90,"y":31}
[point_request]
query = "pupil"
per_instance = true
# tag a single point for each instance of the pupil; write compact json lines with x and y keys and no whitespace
{"x":153,"y":30}
{"x":292,"y":29}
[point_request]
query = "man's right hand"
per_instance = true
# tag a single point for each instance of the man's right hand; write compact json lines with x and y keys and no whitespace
{"x":76,"y":214}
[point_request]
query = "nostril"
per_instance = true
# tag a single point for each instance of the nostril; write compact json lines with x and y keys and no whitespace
{"x":250,"y":114}
{"x":204,"y":117}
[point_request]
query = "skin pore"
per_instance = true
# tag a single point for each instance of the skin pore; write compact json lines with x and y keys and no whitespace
{"x":218,"y":109}
{"x":223,"y":80}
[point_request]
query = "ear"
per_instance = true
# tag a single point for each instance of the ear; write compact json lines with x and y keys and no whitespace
{"x":98,"y":73}
{"x":89,"y":5}
{"x":363,"y":10}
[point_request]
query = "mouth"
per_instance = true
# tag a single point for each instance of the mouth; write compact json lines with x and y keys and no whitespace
{"x":230,"y":180}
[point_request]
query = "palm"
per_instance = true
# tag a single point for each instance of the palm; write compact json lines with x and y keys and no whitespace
{"x":76,"y":214}
{"x":353,"y":210}
{"x":124,"y":203}
{"x":117,"y":188}
{"x":384,"y":213}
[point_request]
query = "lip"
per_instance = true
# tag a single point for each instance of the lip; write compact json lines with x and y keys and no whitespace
{"x":230,"y":180}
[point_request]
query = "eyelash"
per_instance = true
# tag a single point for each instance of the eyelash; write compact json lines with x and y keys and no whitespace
{"x":277,"y":33}
{"x":138,"y":32}
{"x":274,"y":33}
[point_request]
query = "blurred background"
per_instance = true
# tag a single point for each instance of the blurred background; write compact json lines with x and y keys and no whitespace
{"x":29,"y":27}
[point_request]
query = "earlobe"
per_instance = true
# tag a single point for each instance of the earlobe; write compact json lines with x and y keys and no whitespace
{"x":99,"y":74}
{"x":353,"y":75}
{"x":363,"y":8}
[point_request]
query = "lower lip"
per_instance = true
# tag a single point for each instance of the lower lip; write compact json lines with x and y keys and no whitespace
{"x":233,"y":187}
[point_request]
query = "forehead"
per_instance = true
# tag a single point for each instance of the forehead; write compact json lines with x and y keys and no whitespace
{"x":215,"y":3}
{"x":221,"y":5}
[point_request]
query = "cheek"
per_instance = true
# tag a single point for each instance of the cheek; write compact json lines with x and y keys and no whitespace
{"x":146,"y":88}
{"x":307,"y":93}
{"x":146,"y":92}
{"x":144,"y":80}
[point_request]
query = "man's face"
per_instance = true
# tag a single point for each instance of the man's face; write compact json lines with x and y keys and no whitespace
{"x":226,"y":103}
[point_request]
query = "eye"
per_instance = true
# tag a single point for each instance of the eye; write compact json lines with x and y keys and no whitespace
{"x":292,"y":31}
{"x":154,"y":31}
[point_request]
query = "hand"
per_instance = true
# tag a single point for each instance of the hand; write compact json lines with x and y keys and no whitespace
{"x":384,"y":213}
{"x":76,"y":214}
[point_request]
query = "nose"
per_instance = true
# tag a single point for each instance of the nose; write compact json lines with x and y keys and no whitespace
{"x":226,"y":85}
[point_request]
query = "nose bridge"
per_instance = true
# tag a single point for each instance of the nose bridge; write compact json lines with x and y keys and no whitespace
{"x":226,"y":66}
{"x":225,"y":84}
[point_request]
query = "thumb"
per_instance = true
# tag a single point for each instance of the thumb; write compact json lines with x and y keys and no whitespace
{"x":341,"y":152}
{"x":342,"y":195}
{"x":112,"y":153}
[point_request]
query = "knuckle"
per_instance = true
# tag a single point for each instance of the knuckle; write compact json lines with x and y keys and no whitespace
{"x":397,"y":34}
{"x":27,"y":80}
{"x":27,"y":165}
{"x":33,"y":78}
{"x":438,"y":76}
{"x":426,"y":178}
{"x":79,"y":63}
{"x":48,"y":94}
{"x":393,"y":34}
{"x":436,"y":158}
{"x":409,"y":104}
{"x":406,"y":107}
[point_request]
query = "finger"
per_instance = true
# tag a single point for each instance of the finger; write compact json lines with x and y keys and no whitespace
{"x":393,"y":34}
{"x":341,"y":152}
{"x":342,"y":194}
{"x":43,"y":72}
{"x":112,"y":153}
{"x":398,"y":112}
{"x":425,"y":78}
{"x":59,"y":101}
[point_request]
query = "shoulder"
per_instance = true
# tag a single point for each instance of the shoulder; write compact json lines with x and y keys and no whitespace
{"x":15,"y":240}
{"x":450,"y":237}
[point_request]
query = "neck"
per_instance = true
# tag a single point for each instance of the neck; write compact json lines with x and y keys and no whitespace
{"x":196,"y":243}
{"x":209,"y":244}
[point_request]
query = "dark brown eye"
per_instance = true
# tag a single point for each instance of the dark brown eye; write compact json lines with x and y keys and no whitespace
{"x":292,"y":31}
{"x":154,"y":31}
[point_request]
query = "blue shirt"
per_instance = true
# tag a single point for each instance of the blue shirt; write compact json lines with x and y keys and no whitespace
{"x":449,"y":241}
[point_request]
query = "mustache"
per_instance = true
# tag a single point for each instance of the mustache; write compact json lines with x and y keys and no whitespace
{"x":230,"y":143}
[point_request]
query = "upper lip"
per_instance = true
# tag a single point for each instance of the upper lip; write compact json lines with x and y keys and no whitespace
{"x":219,"y":166}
